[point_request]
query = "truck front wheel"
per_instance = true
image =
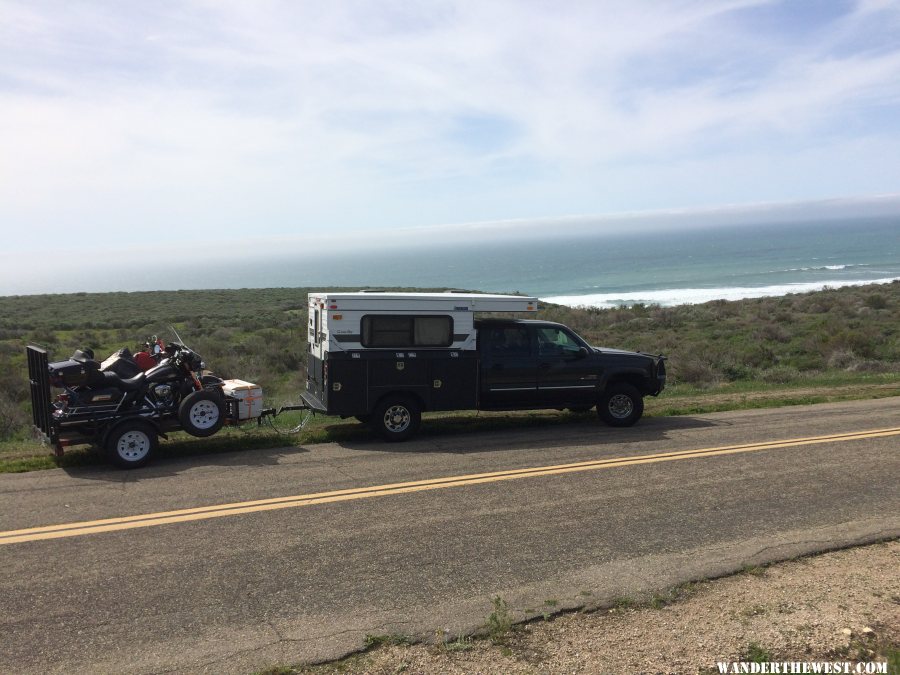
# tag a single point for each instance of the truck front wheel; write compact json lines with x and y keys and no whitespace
{"x":621,"y":405}
{"x":396,"y":418}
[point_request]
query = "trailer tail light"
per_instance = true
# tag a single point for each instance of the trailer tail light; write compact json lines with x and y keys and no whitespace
{"x":60,"y":405}
{"x":332,"y":306}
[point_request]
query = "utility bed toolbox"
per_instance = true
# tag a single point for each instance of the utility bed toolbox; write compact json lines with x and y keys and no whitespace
{"x":248,"y":395}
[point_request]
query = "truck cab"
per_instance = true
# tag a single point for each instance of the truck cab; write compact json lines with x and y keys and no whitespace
{"x":534,"y":363}
{"x":540,"y":364}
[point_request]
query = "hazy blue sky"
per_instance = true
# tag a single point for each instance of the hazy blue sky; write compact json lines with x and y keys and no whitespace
{"x":124,"y":122}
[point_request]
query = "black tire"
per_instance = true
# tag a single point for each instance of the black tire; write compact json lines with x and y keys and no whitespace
{"x":202,"y":413}
{"x":396,"y":418}
{"x":621,"y":405}
{"x":131,"y":444}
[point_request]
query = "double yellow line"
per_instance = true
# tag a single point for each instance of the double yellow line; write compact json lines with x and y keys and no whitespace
{"x":238,"y":508}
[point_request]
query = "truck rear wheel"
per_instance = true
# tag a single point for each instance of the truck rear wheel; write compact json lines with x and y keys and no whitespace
{"x":621,"y":405}
{"x":396,"y":418}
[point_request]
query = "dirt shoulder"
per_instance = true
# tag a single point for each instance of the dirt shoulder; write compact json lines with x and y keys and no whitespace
{"x":838,"y":606}
{"x":771,"y":397}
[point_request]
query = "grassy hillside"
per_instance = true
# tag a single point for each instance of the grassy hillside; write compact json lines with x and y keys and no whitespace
{"x":848,"y":335}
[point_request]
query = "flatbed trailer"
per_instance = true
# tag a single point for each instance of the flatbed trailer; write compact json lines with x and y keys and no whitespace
{"x":60,"y":433}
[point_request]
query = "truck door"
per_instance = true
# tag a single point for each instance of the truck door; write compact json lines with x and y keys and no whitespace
{"x":508,"y":366}
{"x":566,"y":376}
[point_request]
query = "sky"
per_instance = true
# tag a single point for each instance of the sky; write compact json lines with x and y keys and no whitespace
{"x":229,"y":125}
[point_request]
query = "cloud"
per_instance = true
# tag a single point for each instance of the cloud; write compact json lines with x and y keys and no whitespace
{"x":229,"y":121}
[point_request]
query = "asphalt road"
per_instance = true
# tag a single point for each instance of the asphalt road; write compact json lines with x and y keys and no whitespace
{"x":318,"y":559}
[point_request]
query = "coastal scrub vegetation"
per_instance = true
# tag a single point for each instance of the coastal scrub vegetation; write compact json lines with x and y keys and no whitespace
{"x":770,"y":340}
{"x":850,"y":334}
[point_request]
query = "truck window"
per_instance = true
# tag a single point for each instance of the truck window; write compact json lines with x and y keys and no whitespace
{"x":556,"y":342}
{"x":509,"y":341}
{"x":407,"y":331}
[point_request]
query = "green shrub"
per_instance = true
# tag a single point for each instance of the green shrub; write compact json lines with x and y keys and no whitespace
{"x":876,"y":301}
{"x":780,"y":375}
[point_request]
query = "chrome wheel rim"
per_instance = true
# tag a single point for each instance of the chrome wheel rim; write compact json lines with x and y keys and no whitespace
{"x":621,"y":406}
{"x":397,"y":419}
{"x":133,"y":446}
{"x":204,"y":414}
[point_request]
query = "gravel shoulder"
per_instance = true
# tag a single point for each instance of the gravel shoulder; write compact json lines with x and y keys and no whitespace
{"x":843,"y":605}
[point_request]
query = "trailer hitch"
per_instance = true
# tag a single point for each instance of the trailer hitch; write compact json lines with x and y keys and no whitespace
{"x":269,"y":415}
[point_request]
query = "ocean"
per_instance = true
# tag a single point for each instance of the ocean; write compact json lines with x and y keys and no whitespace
{"x":665,"y":268}
{"x":601,"y":270}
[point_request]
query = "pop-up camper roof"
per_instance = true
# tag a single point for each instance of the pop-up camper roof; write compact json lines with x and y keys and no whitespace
{"x":423,"y":302}
{"x":340,"y":321}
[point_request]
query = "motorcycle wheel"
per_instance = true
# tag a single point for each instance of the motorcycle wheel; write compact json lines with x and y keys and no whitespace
{"x":131,"y":444}
{"x":202,"y":413}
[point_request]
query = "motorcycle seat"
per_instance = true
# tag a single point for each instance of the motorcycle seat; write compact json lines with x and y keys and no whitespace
{"x":130,"y":384}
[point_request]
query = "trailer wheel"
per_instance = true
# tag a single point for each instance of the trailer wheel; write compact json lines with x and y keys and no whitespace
{"x":621,"y":405}
{"x":131,"y":444}
{"x":202,"y":413}
{"x":396,"y":418}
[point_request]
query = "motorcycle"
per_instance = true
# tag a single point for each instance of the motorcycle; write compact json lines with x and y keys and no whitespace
{"x":126,"y":406}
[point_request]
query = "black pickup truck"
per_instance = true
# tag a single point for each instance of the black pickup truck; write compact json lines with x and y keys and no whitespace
{"x":386,"y":366}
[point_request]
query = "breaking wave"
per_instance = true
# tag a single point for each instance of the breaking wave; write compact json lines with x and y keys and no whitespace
{"x":817,"y":269}
{"x":668,"y":297}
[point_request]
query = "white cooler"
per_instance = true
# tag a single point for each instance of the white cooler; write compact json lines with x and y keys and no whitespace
{"x":249,"y":395}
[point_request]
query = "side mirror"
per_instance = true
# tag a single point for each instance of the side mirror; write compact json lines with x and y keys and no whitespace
{"x":583,"y":352}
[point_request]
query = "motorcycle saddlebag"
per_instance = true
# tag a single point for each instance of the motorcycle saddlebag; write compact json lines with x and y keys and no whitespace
{"x":71,"y":373}
{"x":105,"y":396}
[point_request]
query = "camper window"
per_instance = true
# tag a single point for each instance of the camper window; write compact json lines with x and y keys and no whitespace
{"x":407,"y":331}
{"x":317,"y":328}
